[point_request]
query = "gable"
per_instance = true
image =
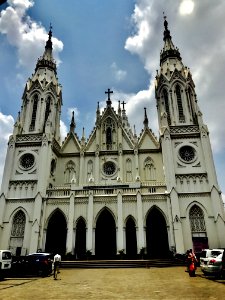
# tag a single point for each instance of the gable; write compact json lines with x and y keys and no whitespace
{"x":71,"y":144}
{"x":148,"y":140}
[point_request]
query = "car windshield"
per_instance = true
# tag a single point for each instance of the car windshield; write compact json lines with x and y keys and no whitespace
{"x":6,"y":255}
{"x":215,"y":253}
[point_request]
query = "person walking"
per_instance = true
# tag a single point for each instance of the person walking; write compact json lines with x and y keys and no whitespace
{"x":192,"y":262}
{"x":56,"y":262}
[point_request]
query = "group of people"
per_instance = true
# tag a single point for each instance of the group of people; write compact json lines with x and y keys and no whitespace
{"x":191,"y":262}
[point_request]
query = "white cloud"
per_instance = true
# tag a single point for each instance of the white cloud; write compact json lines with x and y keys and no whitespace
{"x":28,"y":36}
{"x":63,"y":130}
{"x":118,"y":73}
{"x":6,"y":128}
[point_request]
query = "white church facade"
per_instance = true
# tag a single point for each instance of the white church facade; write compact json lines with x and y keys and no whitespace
{"x":114,"y":191}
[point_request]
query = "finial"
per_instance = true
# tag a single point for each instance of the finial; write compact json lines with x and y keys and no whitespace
{"x":145,"y":119}
{"x":83,"y":135}
{"x":72,"y":124}
{"x":165,"y":21}
{"x":166,"y":31}
{"x":135,"y":131}
{"x":49,"y":41}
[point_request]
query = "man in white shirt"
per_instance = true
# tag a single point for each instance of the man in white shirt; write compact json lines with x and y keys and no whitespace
{"x":56,"y":262}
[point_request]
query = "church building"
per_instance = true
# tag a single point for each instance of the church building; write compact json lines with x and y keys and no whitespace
{"x":115,"y":191}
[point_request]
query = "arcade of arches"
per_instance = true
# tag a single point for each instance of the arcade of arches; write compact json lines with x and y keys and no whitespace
{"x":157,"y":245}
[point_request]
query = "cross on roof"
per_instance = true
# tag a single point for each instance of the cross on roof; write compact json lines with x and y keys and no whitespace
{"x":123,"y":103}
{"x":109,"y":92}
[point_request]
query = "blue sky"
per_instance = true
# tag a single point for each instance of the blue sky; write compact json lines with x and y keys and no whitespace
{"x":101,"y":44}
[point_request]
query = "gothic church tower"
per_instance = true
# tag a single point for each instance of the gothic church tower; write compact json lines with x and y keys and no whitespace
{"x":30,"y":157}
{"x":188,"y":163}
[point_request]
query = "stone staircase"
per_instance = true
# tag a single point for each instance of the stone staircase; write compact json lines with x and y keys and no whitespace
{"x":103,"y":264}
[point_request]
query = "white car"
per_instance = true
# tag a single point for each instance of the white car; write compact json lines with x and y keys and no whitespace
{"x":5,"y":262}
{"x":212,"y":264}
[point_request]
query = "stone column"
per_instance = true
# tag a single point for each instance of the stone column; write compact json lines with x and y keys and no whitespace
{"x":69,"y":240}
{"x":35,"y":229}
{"x":120,"y":241}
{"x":140,"y":237}
{"x":90,"y":222}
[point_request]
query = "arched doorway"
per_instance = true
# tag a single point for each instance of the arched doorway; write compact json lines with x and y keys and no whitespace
{"x":80,"y":244}
{"x":56,"y":234}
{"x":156,"y":235}
{"x":131,"y":239}
{"x":105,"y":236}
{"x":198,"y":229}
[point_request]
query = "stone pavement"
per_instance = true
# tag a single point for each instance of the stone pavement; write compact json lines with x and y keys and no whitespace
{"x":101,"y":284}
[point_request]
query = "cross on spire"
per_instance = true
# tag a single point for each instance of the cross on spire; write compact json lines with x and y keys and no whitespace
{"x":109,"y":100}
{"x":123,"y":103}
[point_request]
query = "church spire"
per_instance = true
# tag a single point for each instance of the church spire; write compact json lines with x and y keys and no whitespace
{"x":169,"y":50}
{"x":47,"y":58}
{"x":145,"y":119}
{"x":72,"y":124}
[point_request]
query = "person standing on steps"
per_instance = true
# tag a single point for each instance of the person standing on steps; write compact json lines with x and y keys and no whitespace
{"x":56,"y":262}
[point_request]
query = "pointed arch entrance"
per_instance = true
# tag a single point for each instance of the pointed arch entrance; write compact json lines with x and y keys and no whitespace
{"x":56,"y":233}
{"x":131,"y":239}
{"x":156,"y":234}
{"x":105,"y":236}
{"x":80,"y":244}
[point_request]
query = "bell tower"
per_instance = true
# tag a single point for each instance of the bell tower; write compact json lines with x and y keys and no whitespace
{"x":41,"y":100}
{"x":186,"y":149}
{"x":31,"y":158}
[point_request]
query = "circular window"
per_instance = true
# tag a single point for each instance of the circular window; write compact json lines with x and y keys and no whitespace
{"x":27,"y":161}
{"x":109,"y":168}
{"x":187,"y":153}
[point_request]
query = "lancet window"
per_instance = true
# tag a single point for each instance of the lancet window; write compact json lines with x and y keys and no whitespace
{"x":166,"y":101}
{"x":18,"y":225}
{"x":109,"y":129}
{"x":197,"y":221}
{"x":34,"y":113}
{"x":179,"y":104}
{"x":191,"y":105}
{"x":47,"y":110}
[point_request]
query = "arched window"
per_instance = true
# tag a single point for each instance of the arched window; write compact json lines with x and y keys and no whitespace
{"x":109,"y":138}
{"x":47,"y":110}
{"x":129,"y":170}
{"x":197,"y":221}
{"x":18,"y":226}
{"x":179,"y":104}
{"x":34,"y":113}
{"x":109,"y":134}
{"x":70,"y":172}
{"x":89,"y":170}
{"x":190,"y":96}
{"x":150,"y":171}
{"x":166,"y":101}
{"x":53,"y":166}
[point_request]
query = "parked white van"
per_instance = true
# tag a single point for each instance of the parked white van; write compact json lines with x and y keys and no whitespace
{"x":5,"y":262}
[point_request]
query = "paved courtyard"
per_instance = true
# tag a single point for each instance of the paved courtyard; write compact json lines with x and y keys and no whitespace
{"x":129,"y":284}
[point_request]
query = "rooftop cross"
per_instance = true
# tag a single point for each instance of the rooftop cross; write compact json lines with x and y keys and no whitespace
{"x":109,"y":92}
{"x":123,"y":103}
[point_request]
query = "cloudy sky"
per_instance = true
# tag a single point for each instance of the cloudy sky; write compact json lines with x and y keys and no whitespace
{"x":113,"y":44}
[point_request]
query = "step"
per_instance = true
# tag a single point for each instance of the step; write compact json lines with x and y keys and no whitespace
{"x":88,"y":264}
